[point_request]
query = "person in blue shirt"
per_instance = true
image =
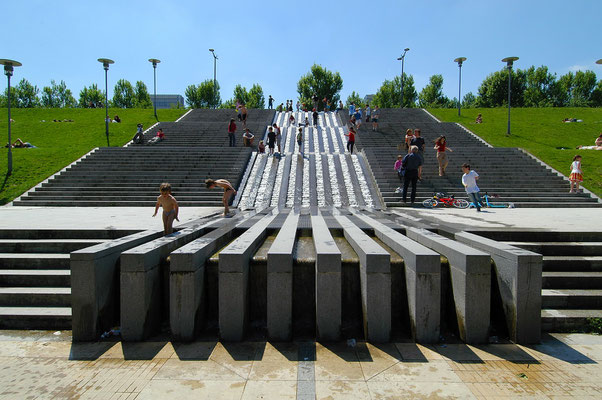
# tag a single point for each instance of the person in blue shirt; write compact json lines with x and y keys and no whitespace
{"x":351,"y":110}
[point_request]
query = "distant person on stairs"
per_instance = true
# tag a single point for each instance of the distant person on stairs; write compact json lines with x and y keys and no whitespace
{"x":375,"y":115}
{"x":170,"y":207}
{"x":576,"y":176}
{"x":418,"y":141}
{"x":139,"y":136}
{"x":229,"y":192}
{"x":368,"y":112}
{"x":271,"y":140}
{"x":232,"y":132}
{"x":412,"y":165}
{"x":351,"y":110}
{"x":300,"y":139}
{"x":160,"y":136}
{"x":243,"y":111}
{"x":441,"y":147}
{"x":315,"y":115}
{"x":247,"y":138}
{"x":278,"y":137}
{"x":270,"y":102}
{"x":351,"y":139}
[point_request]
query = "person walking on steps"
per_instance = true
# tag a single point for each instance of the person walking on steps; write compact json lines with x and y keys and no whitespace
{"x":375,"y":115}
{"x":300,"y":139}
{"x":418,"y":141}
{"x":315,"y":115}
{"x":412,"y":172}
{"x":278,"y":137}
{"x":351,"y":140}
{"x":441,"y":147}
{"x":469,"y":180}
{"x":232,"y":132}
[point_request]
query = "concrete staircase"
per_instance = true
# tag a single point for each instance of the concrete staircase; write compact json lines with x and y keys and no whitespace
{"x":503,"y":171}
{"x":35,"y":276}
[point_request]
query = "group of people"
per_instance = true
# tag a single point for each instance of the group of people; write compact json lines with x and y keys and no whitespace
{"x":139,"y":136}
{"x":356,"y":116}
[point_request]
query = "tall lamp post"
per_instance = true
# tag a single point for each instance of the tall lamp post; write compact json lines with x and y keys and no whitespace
{"x":155,"y":62}
{"x":509,"y":61}
{"x":460,"y":60}
{"x":402,"y":58}
{"x":8,"y":71}
{"x":214,"y":75}
{"x":105,"y":63}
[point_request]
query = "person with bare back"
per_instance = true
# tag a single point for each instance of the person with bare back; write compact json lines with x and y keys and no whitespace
{"x":170,"y":207}
{"x":229,"y":192}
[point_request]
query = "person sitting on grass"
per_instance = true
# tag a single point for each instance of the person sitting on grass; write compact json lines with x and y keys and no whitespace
{"x":158,"y":138}
{"x":229,"y":192}
{"x":597,"y":146}
{"x":479,"y":119}
{"x":117,"y":119}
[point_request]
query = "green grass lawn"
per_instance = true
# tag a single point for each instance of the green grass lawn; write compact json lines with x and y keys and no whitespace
{"x":61,"y":143}
{"x":541,"y":132}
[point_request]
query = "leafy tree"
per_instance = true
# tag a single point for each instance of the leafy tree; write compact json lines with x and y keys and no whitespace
{"x":228,"y":104}
{"x":583,"y":86}
{"x":355,"y":99}
{"x":493,"y":91}
{"x":469,"y":100}
{"x":143,"y":99}
{"x":432,"y":94}
{"x":123,"y":94}
{"x":240,"y":94}
{"x":25,"y":95}
{"x":203,"y":95}
{"x":255,"y":97}
{"x":57,"y":96}
{"x":389,"y":94}
{"x":91,"y":96}
{"x":541,"y":87}
{"x":323,"y":83}
{"x":597,"y":95}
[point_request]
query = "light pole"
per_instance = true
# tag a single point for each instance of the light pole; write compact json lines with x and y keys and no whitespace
{"x":402,"y":59}
{"x":155,"y":62}
{"x":214,"y":76}
{"x":105,"y":63}
{"x":460,"y":60}
{"x":8,"y":71}
{"x":509,"y":61}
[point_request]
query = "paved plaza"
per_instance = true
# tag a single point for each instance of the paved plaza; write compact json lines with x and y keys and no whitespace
{"x":47,"y":365}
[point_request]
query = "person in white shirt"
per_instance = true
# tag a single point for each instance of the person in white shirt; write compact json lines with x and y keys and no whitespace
{"x":469,"y":180}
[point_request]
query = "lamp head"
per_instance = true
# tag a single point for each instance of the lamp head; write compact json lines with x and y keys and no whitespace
{"x":509,"y":61}
{"x":599,"y":61}
{"x":406,"y":49}
{"x":106,"y":62}
{"x":8,"y":66}
{"x":154,"y":61}
{"x":460,"y":60}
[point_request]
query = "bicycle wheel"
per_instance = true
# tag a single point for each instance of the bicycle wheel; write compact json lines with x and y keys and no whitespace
{"x":461,"y":203}
{"x":430,"y":203}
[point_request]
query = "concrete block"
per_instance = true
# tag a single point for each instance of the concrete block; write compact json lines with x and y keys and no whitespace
{"x":280,"y":280}
{"x":470,"y":271}
{"x":328,"y":282}
{"x":519,"y":276}
{"x":375,"y":277}
{"x":234,"y":279}
{"x":423,"y":280}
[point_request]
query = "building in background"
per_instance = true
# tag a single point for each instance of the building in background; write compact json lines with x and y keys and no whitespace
{"x":168,"y":101}
{"x":368,"y":98}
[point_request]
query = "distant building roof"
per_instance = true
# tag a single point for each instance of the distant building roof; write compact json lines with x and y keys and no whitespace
{"x":168,"y":100}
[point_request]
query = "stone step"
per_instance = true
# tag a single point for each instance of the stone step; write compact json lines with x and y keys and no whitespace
{"x":554,"y":320}
{"x":35,"y":296}
{"x":46,"y":318}
{"x":34,"y":261}
{"x":572,"y":280}
{"x":572,"y":263}
{"x":46,"y":245}
{"x":35,"y":277}
{"x":561,"y":248}
{"x":115,"y":203}
{"x":571,"y":298}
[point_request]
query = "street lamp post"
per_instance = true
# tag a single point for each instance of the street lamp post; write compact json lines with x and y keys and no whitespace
{"x":214,"y":76}
{"x":460,"y":60}
{"x":8,"y":71}
{"x":105,"y":63}
{"x":509,"y":61}
{"x":402,"y":59}
{"x":155,"y":62}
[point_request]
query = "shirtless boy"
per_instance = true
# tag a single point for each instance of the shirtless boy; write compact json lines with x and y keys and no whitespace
{"x":170,"y":207}
{"x":229,"y":191}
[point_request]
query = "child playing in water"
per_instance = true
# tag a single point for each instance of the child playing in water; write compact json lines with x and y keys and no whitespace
{"x":300,"y":140}
{"x":576,"y":176}
{"x":170,"y":207}
{"x":229,"y":192}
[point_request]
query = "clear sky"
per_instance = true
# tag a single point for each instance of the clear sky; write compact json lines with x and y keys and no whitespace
{"x":274,"y":43}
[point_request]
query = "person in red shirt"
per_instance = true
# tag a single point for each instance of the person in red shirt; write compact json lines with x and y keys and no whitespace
{"x":231,"y":132}
{"x":351,"y":140}
{"x":441,"y":147}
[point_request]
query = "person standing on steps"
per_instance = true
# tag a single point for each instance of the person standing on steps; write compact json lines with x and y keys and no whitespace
{"x":278,"y":137}
{"x":232,"y":133}
{"x":315,"y":99}
{"x":576,"y":176}
{"x":412,"y":166}
{"x":368,"y":112}
{"x":469,"y":180}
{"x":375,"y":116}
{"x":229,"y":192}
{"x":351,"y":110}
{"x":315,"y":115}
{"x":298,"y":106}
{"x":441,"y":147}
{"x":270,"y":102}
{"x":243,"y":112}
{"x":418,"y":141}
{"x":271,"y":140}
{"x":300,"y":139}
{"x":351,"y":139}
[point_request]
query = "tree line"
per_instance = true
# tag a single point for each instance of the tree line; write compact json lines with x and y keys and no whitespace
{"x":531,"y":87}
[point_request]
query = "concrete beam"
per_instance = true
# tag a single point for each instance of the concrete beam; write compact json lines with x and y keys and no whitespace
{"x":470,"y":271}
{"x":375,"y":279}
{"x":187,"y":279}
{"x":519,"y":277}
{"x":280,"y":281}
{"x":234,"y":279}
{"x":422,"y":268}
{"x":95,"y":284}
{"x":329,"y":302}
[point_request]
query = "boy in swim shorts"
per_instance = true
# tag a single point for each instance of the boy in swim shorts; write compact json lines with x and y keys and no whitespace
{"x":170,"y":207}
{"x":229,"y":192}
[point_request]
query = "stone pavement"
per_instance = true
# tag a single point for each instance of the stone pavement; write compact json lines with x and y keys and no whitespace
{"x":45,"y":365}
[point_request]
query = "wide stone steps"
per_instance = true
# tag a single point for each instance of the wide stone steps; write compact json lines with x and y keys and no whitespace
{"x":45,"y":245}
{"x":48,"y":318}
{"x":562,"y":248}
{"x":35,"y":277}
{"x":572,"y":280}
{"x":35,"y":296}
{"x":567,"y":319}
{"x":574,"y":263}
{"x":38,"y":261}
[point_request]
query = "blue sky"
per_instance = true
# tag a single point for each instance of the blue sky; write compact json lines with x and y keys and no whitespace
{"x":273,"y":43}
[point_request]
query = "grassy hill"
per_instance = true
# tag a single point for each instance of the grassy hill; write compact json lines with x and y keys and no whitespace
{"x":541,"y":132}
{"x":60,"y":143}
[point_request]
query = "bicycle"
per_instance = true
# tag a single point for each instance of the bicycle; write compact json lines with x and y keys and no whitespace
{"x":488,"y":204}
{"x":448,"y":201}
